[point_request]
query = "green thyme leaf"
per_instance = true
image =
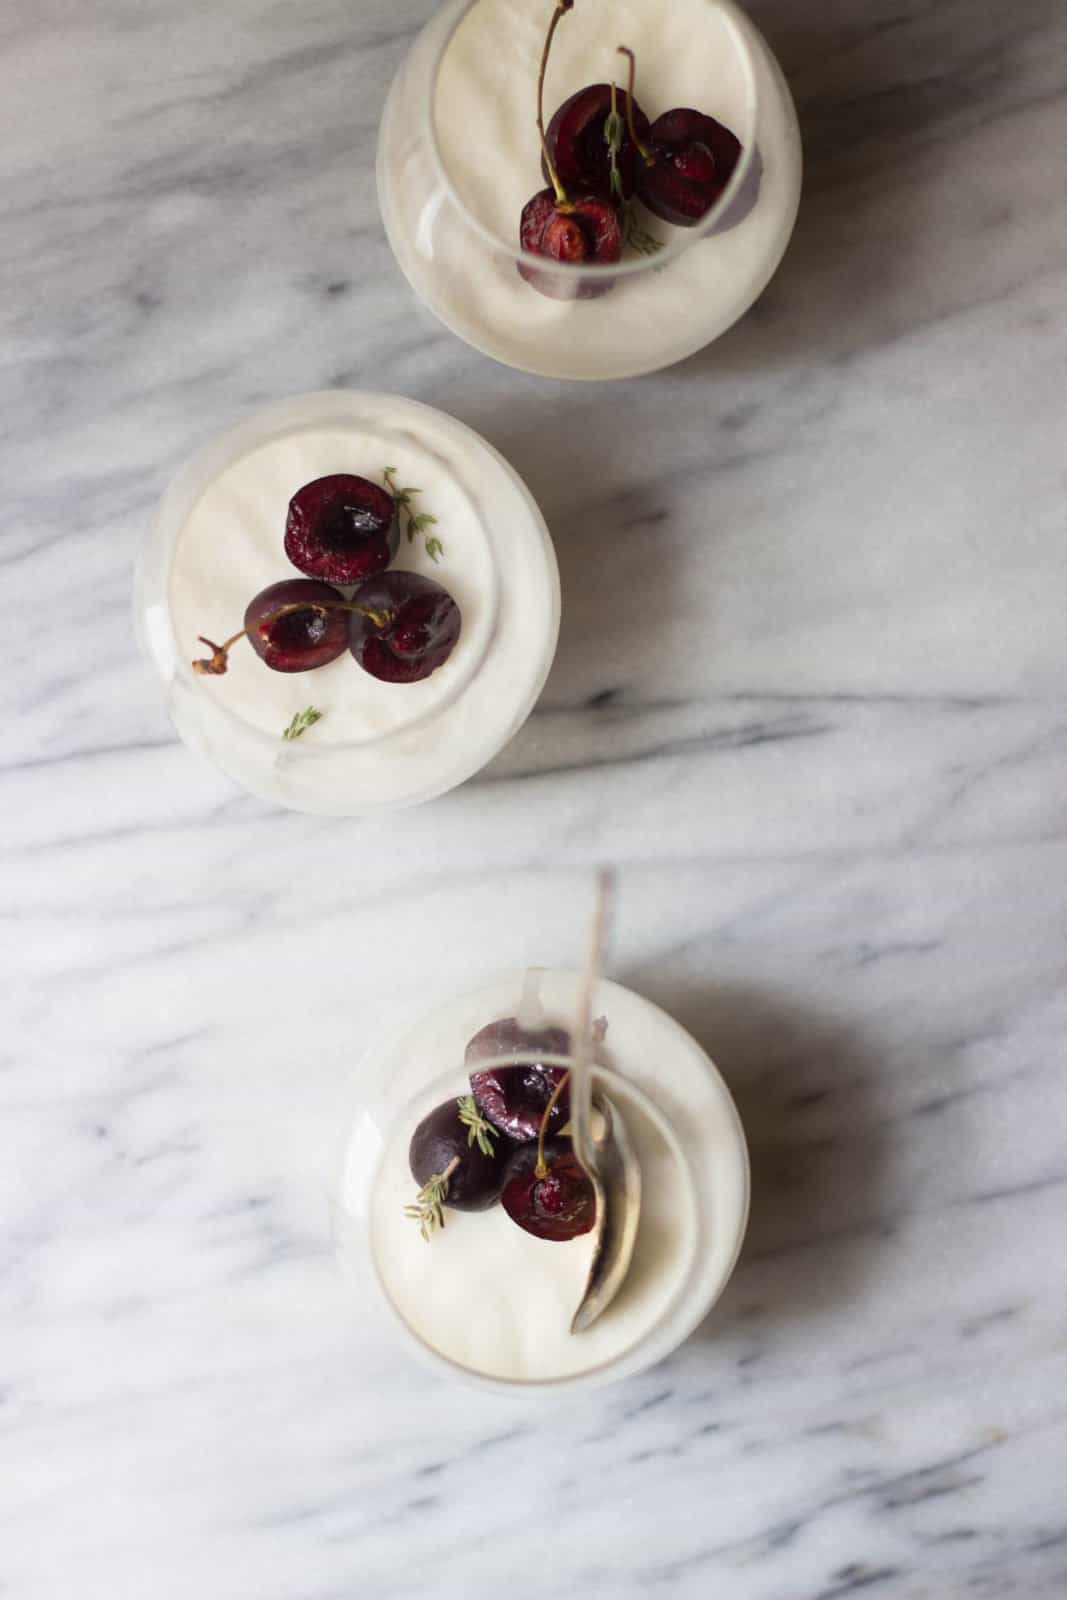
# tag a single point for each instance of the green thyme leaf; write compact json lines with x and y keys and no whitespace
{"x":480,"y":1130}
{"x":429,"y":1207}
{"x":416,"y":521}
{"x":614,"y":132}
{"x":302,"y":721}
{"x":639,"y":238}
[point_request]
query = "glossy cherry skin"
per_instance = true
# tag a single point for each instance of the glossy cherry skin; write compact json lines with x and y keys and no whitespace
{"x":588,"y":234}
{"x":560,"y":1205}
{"x":342,"y":529}
{"x":575,"y":138}
{"x":299,"y":640}
{"x":514,"y":1098}
{"x":420,"y":626}
{"x":439,"y":1138}
{"x":695,"y":157}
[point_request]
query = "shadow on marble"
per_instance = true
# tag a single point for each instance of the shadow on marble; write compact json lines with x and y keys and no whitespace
{"x":885,"y":105}
{"x":616,"y":625}
{"x":804,"y":1083}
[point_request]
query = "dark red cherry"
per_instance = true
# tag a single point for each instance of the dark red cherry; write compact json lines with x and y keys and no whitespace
{"x":474,"y":1183}
{"x":575,"y":138}
{"x":560,"y":1205}
{"x":420,"y":623}
{"x":587,"y":234}
{"x":514,"y":1098}
{"x":297,"y":640}
{"x":342,"y":528}
{"x":695,"y":157}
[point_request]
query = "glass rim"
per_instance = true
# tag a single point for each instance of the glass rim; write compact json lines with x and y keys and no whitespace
{"x":622,"y":1360}
{"x":565,"y":272}
{"x":186,"y":488}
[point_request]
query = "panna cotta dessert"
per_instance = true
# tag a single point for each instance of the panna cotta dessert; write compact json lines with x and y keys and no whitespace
{"x":352,"y":601}
{"x":589,"y":188}
{"x":462,"y":1203}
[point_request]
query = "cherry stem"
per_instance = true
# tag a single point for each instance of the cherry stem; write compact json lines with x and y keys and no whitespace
{"x":642,"y":150}
{"x":215,"y":664}
{"x":541,"y":1169}
{"x":562,"y":198}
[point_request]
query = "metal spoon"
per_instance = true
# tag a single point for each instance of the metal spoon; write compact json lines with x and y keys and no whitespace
{"x":606,"y":1155}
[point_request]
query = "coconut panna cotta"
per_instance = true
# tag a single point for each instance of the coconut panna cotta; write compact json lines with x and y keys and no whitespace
{"x":482,"y":1264}
{"x":352,"y":600}
{"x":648,"y":220}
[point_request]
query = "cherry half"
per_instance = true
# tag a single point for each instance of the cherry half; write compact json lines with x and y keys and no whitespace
{"x":556,"y":1202}
{"x":342,"y":529}
{"x":582,"y":231}
{"x":413,"y":629}
{"x":456,"y":1140}
{"x":694,"y":160}
{"x":576,"y":140}
{"x":515,"y":1098}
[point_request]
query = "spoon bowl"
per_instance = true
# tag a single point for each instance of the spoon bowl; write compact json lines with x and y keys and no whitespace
{"x":608,"y":1158}
{"x":605,"y":1153}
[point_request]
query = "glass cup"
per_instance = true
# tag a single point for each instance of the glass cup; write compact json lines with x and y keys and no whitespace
{"x":453,"y":222}
{"x":481,"y":1300}
{"x":416,"y":740}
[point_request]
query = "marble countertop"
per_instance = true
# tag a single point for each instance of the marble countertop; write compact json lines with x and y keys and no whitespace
{"x":810,"y":696}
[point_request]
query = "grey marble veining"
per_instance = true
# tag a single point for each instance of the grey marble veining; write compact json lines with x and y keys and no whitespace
{"x":810,"y":696}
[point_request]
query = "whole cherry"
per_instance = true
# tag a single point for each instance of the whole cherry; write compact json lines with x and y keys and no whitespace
{"x":458,"y":1159}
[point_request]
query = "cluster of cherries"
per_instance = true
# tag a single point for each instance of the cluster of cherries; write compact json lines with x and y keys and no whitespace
{"x":597,"y":163}
{"x":503,"y":1140}
{"x":345,"y":530}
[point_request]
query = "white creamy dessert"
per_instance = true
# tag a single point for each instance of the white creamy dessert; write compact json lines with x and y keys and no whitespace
{"x":494,"y":1302}
{"x":219,"y":541}
{"x":459,"y":158}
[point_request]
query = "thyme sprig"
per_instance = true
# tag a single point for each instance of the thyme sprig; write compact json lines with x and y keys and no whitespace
{"x":429,"y":1207}
{"x":416,"y":522}
{"x":614,"y":133}
{"x":302,"y":721}
{"x":480,"y":1130}
{"x":637,"y":237}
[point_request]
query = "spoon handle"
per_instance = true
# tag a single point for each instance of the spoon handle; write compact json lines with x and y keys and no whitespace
{"x":531,"y":1013}
{"x":581,"y":1085}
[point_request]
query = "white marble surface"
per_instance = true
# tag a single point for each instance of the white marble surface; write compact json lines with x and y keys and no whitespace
{"x":810,"y":696}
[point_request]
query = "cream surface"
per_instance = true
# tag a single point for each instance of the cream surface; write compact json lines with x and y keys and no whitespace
{"x":219,"y":541}
{"x":231,"y":547}
{"x":493,"y":1299}
{"x":700,"y":53}
{"x":687,"y":54}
